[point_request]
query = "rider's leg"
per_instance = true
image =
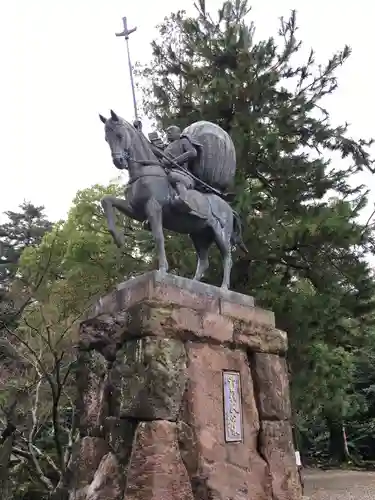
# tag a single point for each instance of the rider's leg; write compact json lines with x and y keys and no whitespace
{"x":181,"y":190}
{"x":181,"y":183}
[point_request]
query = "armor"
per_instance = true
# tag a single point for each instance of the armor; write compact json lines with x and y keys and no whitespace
{"x":208,"y":152}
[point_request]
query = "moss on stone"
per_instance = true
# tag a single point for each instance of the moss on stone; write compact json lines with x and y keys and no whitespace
{"x":151,"y":374}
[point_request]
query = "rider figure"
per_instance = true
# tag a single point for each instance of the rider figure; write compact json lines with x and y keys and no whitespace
{"x":182,"y":152}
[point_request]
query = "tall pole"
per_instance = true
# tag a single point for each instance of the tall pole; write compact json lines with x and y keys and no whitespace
{"x":125,"y":33}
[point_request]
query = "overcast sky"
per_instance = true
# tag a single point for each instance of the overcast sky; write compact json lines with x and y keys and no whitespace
{"x":61,"y":64}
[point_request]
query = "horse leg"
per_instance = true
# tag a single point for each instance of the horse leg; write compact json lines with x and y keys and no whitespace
{"x":109,"y":203}
{"x":202,"y":242}
{"x":223,"y":242}
{"x":154,"y":214}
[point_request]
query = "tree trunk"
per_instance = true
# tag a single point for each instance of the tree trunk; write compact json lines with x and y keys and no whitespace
{"x":337,"y":442}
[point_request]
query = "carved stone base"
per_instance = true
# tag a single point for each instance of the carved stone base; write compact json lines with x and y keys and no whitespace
{"x":183,"y":394}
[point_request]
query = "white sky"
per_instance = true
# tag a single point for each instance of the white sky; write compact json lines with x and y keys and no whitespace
{"x":61,"y":64}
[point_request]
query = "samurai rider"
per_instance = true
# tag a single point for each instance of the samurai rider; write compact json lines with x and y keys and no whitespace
{"x":182,"y":152}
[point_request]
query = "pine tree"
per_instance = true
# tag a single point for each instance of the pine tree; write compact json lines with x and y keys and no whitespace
{"x":307,"y":248}
{"x":23,"y":229}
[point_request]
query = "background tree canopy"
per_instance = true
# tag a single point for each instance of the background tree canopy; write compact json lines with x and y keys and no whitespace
{"x":307,"y":239}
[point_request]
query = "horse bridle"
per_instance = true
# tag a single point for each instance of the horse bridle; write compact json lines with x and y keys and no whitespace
{"x":124,"y":155}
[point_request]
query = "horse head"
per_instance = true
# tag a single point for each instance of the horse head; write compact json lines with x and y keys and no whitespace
{"x":119,"y":138}
{"x":126,"y":142}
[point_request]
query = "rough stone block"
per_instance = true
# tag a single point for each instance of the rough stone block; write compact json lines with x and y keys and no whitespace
{"x":259,"y":337}
{"x":156,"y":471}
{"x":106,"y":484}
{"x":165,"y":320}
{"x":270,"y":374}
{"x":92,"y":404}
{"x":276,"y":445}
{"x":150,"y":377}
{"x":159,"y":319}
{"x":119,"y":433}
{"x":246,"y":313}
{"x":87,"y":454}
{"x":202,"y":438}
{"x":224,"y":481}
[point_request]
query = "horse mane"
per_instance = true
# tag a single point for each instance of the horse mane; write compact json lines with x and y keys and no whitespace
{"x":140,"y":145}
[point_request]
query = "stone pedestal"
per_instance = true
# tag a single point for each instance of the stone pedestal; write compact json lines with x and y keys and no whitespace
{"x":183,"y":395}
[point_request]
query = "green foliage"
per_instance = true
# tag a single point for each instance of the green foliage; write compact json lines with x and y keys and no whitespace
{"x":22,"y":229}
{"x":79,"y":257}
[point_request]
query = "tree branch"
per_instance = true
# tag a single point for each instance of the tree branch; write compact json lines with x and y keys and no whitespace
{"x":34,"y":413}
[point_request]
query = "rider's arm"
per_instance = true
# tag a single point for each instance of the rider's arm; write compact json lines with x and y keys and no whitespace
{"x":189,"y":152}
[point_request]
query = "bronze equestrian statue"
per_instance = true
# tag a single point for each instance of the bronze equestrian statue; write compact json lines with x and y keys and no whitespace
{"x":180,"y":187}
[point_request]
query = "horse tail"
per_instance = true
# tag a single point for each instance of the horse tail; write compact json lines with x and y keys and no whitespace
{"x":236,"y":238}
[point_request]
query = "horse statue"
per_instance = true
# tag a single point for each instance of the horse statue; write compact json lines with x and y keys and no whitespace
{"x":150,"y":195}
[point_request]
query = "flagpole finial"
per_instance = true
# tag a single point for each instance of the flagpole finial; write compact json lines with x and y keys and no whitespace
{"x":125,"y":33}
